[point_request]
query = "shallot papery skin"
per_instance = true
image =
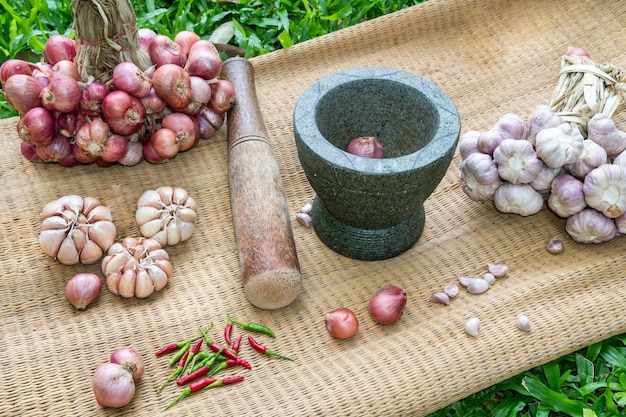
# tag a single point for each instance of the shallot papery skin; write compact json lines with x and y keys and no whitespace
{"x":76,"y":229}
{"x":167,"y":215}
{"x":136,"y":267}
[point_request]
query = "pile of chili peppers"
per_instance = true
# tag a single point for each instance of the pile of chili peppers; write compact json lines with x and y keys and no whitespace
{"x":195,"y":368}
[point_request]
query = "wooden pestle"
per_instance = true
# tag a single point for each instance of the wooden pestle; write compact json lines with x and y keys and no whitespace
{"x":267,"y":254}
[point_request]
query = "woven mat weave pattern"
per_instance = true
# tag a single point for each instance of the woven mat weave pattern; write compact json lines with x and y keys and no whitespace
{"x":490,"y":58}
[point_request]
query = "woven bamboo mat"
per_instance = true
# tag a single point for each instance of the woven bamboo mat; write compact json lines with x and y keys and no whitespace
{"x":491,"y":58}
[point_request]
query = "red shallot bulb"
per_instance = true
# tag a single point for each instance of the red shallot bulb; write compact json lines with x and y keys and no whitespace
{"x":115,"y":148}
{"x":29,"y":151}
{"x":130,"y":360}
{"x":59,"y":48}
{"x":163,"y":50}
{"x":222,"y":96}
{"x":387,"y":304}
{"x":183,"y":126}
{"x":37,"y":126}
{"x":82,"y":289}
{"x":574,"y":50}
{"x":123,"y":113}
{"x":173,"y":84}
{"x":204,"y":60}
{"x":366,"y":146}
{"x":113,"y":385}
{"x":60,"y":148}
{"x":342,"y":323}
{"x":145,"y":36}
{"x":22,"y":92}
{"x":64,"y":68}
{"x":91,"y":99}
{"x":15,"y":66}
{"x":62,"y":94}
{"x":185,"y":39}
{"x":129,"y":78}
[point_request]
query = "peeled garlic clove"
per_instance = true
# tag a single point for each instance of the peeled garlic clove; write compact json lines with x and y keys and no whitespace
{"x":490,"y":278}
{"x":451,"y":290}
{"x":304,"y":219}
{"x":472,"y":326}
{"x":82,"y":289}
{"x":523,"y":322}
{"x":306,"y":209}
{"x":440,"y":298}
{"x":498,"y":270}
{"x":477,"y":286}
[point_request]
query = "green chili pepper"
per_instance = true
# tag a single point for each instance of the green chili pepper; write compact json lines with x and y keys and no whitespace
{"x":253,"y":327}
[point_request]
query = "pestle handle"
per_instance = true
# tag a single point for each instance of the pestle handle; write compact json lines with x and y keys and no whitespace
{"x":268,"y":260}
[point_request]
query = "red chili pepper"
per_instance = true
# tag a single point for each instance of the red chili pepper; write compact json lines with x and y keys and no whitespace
{"x":229,"y":363}
{"x":179,"y":354}
{"x":173,"y":347}
{"x":193,"y":387}
{"x":179,"y":370}
{"x":262,"y":349}
{"x":228,"y":330}
{"x":203,"y":370}
{"x":235,"y":346}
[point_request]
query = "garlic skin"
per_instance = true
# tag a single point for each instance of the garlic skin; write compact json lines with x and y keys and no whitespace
{"x":451,"y":290}
{"x":620,"y":160}
{"x":605,"y":190}
{"x":559,"y":146}
{"x":620,"y":223}
{"x":489,"y":278}
{"x":555,"y":246}
{"x":76,"y":229}
{"x":592,"y":156}
{"x":472,"y":326}
{"x":602,"y":130}
{"x":541,"y":118}
{"x":519,"y":199}
{"x":509,"y":126}
{"x":498,"y":270}
{"x":440,"y":297}
{"x":479,"y":177}
{"x":566,"y":196}
{"x":136,"y":267}
{"x":304,"y":219}
{"x":167,"y":215}
{"x":517,"y":161}
{"x":590,"y":226}
{"x":468,"y":143}
{"x":474,"y":285}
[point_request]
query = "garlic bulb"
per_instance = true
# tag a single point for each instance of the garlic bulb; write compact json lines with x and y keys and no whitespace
{"x":479,"y":177}
{"x":543,"y":180}
{"x":566,"y":196}
{"x":509,"y":126}
{"x":519,"y":199}
{"x":620,"y":223}
{"x":592,"y":156}
{"x":76,"y":229}
{"x":468,"y":143}
{"x":605,"y":190}
{"x":167,"y":215}
{"x":590,"y":226}
{"x":602,"y":130}
{"x":541,"y":118}
{"x":559,"y":146}
{"x":620,"y":159}
{"x":517,"y":161}
{"x":136,"y":267}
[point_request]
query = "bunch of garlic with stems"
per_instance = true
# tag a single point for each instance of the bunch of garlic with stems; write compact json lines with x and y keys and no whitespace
{"x":581,"y":179}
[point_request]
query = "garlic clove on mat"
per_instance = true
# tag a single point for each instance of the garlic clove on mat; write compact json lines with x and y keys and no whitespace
{"x":472,"y":326}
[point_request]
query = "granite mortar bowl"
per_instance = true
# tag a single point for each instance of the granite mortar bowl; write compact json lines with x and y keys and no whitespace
{"x":373,"y":209}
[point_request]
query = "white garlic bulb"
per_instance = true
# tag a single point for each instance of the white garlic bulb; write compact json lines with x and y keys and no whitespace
{"x":76,"y":229}
{"x":541,"y":118}
{"x":519,"y":199}
{"x":509,"y":126}
{"x":167,"y":215}
{"x":592,"y":156}
{"x":543,"y":180}
{"x":468,"y":143}
{"x":479,"y":177}
{"x":558,"y":146}
{"x":590,"y":226}
{"x":517,"y":161}
{"x":620,"y":159}
{"x":136,"y":267}
{"x":602,"y":130}
{"x":605,"y":190}
{"x":566,"y":196}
